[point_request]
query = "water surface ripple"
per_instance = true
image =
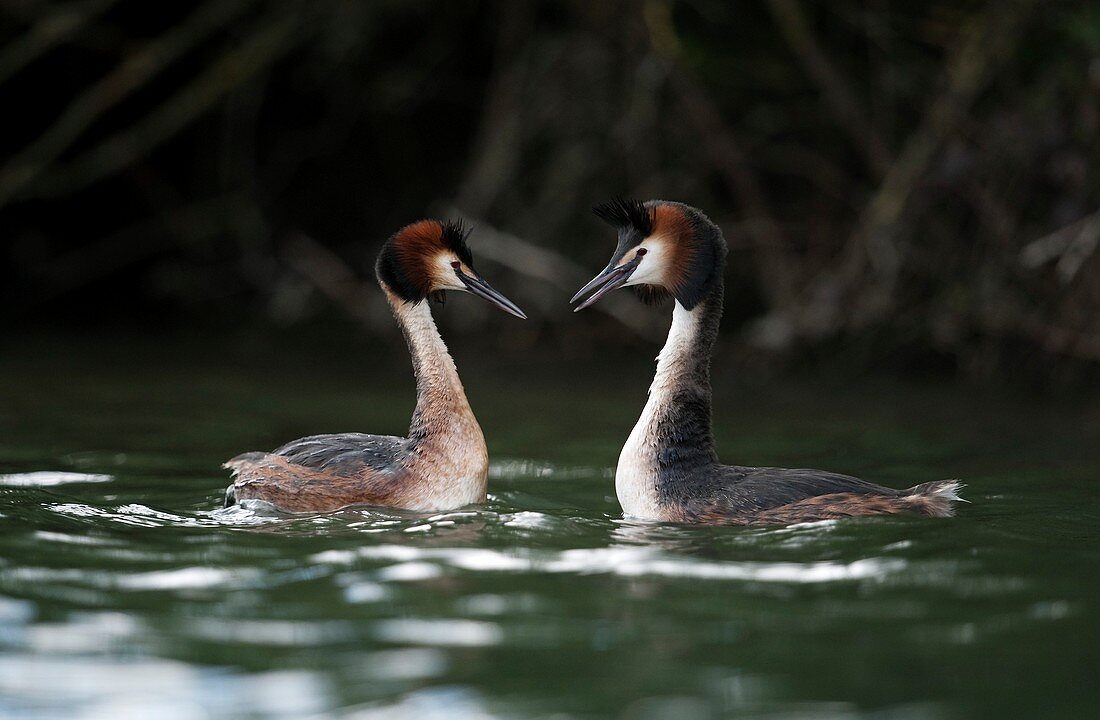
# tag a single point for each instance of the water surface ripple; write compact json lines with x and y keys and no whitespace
{"x":126,"y":591}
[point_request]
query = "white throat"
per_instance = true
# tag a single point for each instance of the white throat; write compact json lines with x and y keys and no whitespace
{"x":636,"y":476}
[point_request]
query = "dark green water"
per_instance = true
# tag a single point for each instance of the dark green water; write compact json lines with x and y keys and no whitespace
{"x":124,"y":592}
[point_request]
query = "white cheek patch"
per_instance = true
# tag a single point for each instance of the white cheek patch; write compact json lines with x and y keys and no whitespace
{"x":652,"y":269}
{"x":443,"y":275}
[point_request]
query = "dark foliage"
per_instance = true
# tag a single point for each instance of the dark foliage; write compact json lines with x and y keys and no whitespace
{"x":915,"y":178}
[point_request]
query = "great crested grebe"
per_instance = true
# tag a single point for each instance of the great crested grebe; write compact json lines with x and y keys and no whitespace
{"x":443,"y":463}
{"x":668,"y":470}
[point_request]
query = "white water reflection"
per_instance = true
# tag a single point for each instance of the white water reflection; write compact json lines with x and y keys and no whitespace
{"x":437,"y":703}
{"x":136,"y":514}
{"x":415,"y":563}
{"x":528,"y":520}
{"x":97,"y":688}
{"x":518,"y":468}
{"x":186,"y":578}
{"x":439,"y":632}
{"x":416,"y":663}
{"x":50,"y":478}
{"x":283,"y":633}
{"x":84,"y":633}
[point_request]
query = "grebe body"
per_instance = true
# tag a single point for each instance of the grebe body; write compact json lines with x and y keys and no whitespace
{"x":668,"y":469}
{"x":443,"y":463}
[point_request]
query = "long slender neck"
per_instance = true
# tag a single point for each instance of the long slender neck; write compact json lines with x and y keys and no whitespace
{"x":681,"y":392}
{"x":441,"y":405}
{"x":447,"y":464}
{"x":672,"y":439}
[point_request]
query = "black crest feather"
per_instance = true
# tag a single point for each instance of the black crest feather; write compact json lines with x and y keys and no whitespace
{"x":623,"y":213}
{"x":454,"y":237}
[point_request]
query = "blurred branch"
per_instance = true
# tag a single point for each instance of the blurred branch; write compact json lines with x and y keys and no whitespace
{"x":255,"y":52}
{"x":500,"y":130}
{"x":61,"y":22}
{"x":72,"y":270}
{"x":977,"y":57}
{"x":1071,"y":245}
{"x":1060,"y":340}
{"x":836,"y":89}
{"x":725,"y":155}
{"x":336,"y":280}
{"x":996,"y":214}
{"x":132,"y":74}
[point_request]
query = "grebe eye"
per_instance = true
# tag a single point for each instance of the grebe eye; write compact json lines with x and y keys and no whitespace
{"x":456,"y":264}
{"x":641,"y":251}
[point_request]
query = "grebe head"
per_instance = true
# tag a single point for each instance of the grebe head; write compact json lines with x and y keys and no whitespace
{"x":429,"y":257}
{"x":664,"y":248}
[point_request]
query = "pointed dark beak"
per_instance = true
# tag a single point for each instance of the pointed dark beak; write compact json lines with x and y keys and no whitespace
{"x":482,"y":289}
{"x":605,"y":282}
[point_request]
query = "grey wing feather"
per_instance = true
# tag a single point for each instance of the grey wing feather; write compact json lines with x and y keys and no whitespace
{"x":344,"y":452}
{"x":764,"y":488}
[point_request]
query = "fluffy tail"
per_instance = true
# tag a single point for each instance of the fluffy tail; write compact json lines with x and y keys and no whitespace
{"x":241,"y":461}
{"x":935,"y":498}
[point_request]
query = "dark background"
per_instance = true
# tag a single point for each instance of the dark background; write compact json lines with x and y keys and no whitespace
{"x":904,"y":185}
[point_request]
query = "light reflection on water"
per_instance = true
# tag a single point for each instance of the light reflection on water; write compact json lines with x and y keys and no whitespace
{"x":126,"y":591}
{"x":627,"y":561}
{"x":49,"y":478}
{"x":99,"y":689}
